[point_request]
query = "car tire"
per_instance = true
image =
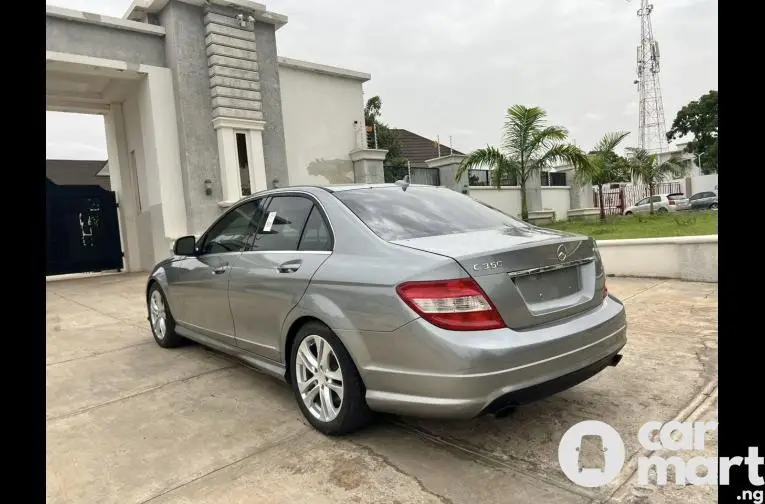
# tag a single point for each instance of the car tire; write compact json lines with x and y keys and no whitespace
{"x":628,"y":214}
{"x":713,"y":206}
{"x":341,"y":415}
{"x":662,"y":211}
{"x":161,"y":320}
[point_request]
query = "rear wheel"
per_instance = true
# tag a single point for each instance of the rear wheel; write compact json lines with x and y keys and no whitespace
{"x":713,"y":206}
{"x":161,"y":319}
{"x":662,"y":210}
{"x":326,"y":383}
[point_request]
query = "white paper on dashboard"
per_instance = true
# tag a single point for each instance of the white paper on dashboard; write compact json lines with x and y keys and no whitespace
{"x":269,"y":222}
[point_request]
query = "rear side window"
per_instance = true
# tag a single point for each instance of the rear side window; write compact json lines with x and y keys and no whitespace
{"x":394,"y":214}
{"x":316,"y":236}
{"x":283,"y":223}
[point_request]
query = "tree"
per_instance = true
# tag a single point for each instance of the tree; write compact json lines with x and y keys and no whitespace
{"x":699,"y":117}
{"x":603,"y":166}
{"x":529,"y":145}
{"x":394,"y":164}
{"x":644,"y":166}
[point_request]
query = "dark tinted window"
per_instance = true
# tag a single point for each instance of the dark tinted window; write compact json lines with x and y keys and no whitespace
{"x":656,"y":199}
{"x":676,"y":196}
{"x":283,"y":223}
{"x":394,"y":214}
{"x":230,"y":234}
{"x":315,"y":235}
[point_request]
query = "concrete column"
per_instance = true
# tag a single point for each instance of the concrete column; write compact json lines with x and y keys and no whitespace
{"x":163,"y":162}
{"x":274,"y":148}
{"x":534,"y":192}
{"x":186,"y":57}
{"x":447,"y":169}
{"x":368,"y":165}
{"x":120,"y":181}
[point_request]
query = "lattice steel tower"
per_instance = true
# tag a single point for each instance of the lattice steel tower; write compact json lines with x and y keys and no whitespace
{"x":652,"y":128}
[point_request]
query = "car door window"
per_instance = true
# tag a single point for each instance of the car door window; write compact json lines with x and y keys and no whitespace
{"x":283,"y":224}
{"x":643,"y":201}
{"x":656,"y":199}
{"x":316,"y":236}
{"x":231,"y":233}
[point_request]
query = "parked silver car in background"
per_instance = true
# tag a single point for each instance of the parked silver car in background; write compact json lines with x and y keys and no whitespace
{"x":662,"y":203}
{"x":705,"y":200}
{"x":414,"y":300}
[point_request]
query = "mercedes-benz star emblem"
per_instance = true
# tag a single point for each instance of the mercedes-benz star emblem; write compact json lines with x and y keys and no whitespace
{"x":561,"y":253}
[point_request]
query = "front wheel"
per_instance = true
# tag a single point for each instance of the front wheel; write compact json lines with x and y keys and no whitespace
{"x":161,"y":319}
{"x":326,"y":383}
{"x":628,"y":214}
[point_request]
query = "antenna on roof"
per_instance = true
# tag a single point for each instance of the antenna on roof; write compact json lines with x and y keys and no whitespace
{"x":404,"y":184}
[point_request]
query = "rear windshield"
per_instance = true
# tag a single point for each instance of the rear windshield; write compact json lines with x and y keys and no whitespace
{"x":418,"y":212}
{"x":675,"y":196}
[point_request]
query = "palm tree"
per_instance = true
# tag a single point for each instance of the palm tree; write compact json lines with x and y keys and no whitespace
{"x":529,"y":145}
{"x":604,"y":166}
{"x":645,"y":166}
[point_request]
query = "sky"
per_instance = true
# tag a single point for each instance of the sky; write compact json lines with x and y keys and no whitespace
{"x":451,"y":68}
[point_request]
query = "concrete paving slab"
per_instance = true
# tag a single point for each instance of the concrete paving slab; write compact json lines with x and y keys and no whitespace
{"x":145,"y":424}
{"x":142,"y":446}
{"x":78,"y":385}
{"x":310,"y":469}
{"x":72,"y":344}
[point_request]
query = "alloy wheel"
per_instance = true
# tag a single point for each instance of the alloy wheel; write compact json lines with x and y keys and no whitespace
{"x":319,"y":378}
{"x":158,"y":315}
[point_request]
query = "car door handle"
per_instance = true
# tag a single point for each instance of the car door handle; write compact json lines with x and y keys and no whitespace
{"x":220,"y":270}
{"x":289,"y":266}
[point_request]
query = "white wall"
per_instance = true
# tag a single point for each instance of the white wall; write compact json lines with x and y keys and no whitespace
{"x":508,"y":199}
{"x":704,"y":183}
{"x":691,"y":258}
{"x":557,"y":198}
{"x":319,"y":113}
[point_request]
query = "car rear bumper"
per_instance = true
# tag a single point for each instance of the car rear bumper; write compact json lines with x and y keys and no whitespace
{"x":421,"y":370}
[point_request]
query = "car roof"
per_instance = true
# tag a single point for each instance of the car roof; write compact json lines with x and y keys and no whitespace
{"x":333,"y":188}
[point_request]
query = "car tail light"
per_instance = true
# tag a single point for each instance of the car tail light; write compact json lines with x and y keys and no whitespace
{"x":671,"y":202}
{"x":605,"y":291}
{"x":457,"y":305}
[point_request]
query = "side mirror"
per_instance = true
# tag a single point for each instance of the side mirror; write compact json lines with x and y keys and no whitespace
{"x":186,"y":246}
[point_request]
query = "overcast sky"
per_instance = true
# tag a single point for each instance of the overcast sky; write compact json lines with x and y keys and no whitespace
{"x":452,"y":67}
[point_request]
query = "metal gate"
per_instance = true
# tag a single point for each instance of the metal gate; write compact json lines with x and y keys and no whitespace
{"x":82,"y":230}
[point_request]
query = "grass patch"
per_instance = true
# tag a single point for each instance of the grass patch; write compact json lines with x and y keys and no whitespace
{"x":643,"y":226}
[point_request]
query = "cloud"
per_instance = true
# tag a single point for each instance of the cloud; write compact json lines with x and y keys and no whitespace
{"x":446,"y":67}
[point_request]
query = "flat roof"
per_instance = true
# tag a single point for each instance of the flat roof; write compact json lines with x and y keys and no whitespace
{"x":323,"y":69}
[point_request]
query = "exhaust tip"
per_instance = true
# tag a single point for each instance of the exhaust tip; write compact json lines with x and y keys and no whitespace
{"x":615,"y":360}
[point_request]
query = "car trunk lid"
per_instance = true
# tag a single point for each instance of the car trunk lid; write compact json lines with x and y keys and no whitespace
{"x":533,"y":276}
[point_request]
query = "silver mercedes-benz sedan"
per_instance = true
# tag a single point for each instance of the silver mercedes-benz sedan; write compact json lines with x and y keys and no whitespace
{"x":406,"y":299}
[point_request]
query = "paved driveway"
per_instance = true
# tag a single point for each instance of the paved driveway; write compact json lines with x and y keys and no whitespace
{"x":129,"y":422}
